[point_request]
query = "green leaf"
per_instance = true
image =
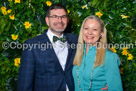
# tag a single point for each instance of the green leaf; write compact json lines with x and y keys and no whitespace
{"x":3,"y":23}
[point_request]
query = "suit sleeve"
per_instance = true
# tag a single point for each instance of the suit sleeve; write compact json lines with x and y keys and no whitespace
{"x":26,"y":71}
{"x":112,"y":72}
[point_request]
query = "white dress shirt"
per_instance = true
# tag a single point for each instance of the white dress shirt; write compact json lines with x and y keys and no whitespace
{"x":60,"y":49}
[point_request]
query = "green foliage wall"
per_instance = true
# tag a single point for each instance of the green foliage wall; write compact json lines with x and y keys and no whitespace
{"x":27,"y":20}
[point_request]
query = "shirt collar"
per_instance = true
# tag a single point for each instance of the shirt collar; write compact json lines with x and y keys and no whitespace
{"x":50,"y":35}
{"x":90,"y":48}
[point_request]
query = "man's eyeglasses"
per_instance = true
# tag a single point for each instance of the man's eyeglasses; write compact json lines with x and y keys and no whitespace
{"x":64,"y":17}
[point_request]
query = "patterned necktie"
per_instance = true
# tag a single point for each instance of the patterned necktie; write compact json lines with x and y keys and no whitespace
{"x":62,"y":39}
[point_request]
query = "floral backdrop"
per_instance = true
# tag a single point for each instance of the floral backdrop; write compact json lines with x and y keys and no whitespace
{"x":24,"y":19}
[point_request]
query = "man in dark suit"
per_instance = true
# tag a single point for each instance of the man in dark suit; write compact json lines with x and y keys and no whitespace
{"x":49,"y":69}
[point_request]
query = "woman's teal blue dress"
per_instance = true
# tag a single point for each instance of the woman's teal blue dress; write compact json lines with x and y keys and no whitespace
{"x":108,"y":73}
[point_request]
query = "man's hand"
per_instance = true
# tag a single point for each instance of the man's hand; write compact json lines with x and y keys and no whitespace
{"x":105,"y":88}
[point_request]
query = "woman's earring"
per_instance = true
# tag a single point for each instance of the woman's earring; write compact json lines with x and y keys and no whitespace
{"x":100,"y":36}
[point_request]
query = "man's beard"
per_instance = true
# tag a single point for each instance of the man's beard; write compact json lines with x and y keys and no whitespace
{"x":59,"y":30}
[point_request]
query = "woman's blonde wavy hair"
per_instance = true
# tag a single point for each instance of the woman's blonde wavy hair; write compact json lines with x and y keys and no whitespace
{"x":100,"y":56}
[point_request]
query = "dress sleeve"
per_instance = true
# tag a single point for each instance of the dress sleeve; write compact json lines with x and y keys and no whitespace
{"x":112,"y":72}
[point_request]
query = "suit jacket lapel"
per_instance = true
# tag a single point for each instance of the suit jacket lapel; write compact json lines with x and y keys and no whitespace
{"x":69,"y":41}
{"x":51,"y":50}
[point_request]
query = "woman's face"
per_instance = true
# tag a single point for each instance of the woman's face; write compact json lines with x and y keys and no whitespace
{"x":91,"y":31}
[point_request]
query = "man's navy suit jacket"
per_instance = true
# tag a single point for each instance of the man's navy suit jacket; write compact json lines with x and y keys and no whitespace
{"x":40,"y":69}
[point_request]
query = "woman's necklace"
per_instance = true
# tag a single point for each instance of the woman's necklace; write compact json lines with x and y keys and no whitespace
{"x":91,"y":76}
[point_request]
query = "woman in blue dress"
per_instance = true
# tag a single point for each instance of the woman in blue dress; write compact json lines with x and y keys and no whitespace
{"x":95,"y":65}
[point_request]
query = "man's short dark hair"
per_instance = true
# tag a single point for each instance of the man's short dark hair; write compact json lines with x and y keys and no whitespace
{"x":55,"y":6}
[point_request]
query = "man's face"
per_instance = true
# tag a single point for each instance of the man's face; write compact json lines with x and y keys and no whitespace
{"x":57,"y":21}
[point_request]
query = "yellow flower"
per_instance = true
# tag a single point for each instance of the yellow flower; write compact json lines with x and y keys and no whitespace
{"x":16,"y":61}
{"x":121,"y":71}
{"x":27,"y":24}
{"x":3,"y":8}
{"x":14,"y":37}
{"x":124,"y":52}
{"x":84,"y":6}
{"x":99,"y":14}
{"x":68,"y":11}
{"x":123,"y":16}
{"x":48,"y":3}
{"x":9,"y":11}
{"x":4,"y":12}
{"x":125,"y":48}
{"x":113,"y":49}
{"x":10,"y":0}
{"x":130,"y":57}
{"x":17,"y":1}
{"x":12,"y":17}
